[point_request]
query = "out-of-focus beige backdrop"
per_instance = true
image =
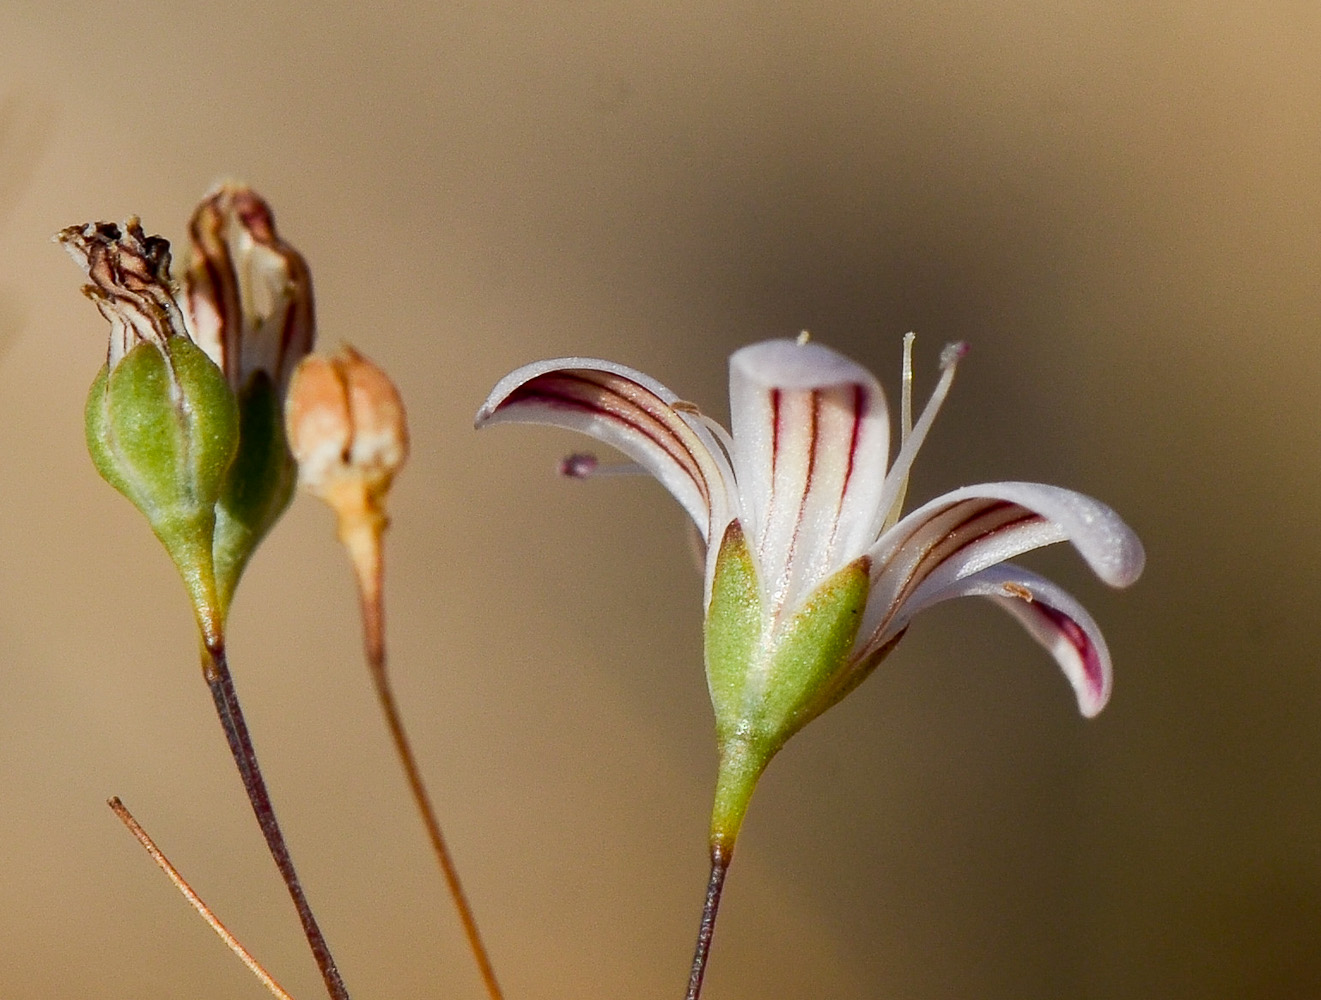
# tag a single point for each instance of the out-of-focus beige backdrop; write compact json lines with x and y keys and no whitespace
{"x":1117,"y":205}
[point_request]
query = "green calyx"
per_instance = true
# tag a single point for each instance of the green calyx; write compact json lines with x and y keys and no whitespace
{"x":162,"y":428}
{"x":768,"y":679}
{"x":212,"y":473}
{"x":259,"y":485}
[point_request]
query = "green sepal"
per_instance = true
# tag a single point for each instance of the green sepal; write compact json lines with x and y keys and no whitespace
{"x":733,"y":632}
{"x":813,"y":652}
{"x":162,"y":428}
{"x":259,"y":486}
{"x":767,"y":683}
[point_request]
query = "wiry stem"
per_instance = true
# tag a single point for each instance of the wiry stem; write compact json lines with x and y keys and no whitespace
{"x":216,"y":670}
{"x":198,"y":904}
{"x":720,"y":858}
{"x":361,"y":534}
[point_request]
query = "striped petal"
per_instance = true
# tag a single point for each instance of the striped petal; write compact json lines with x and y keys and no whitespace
{"x":632,"y":412}
{"x":249,"y":293}
{"x":1051,"y":616}
{"x":811,"y":437}
{"x":970,"y":529}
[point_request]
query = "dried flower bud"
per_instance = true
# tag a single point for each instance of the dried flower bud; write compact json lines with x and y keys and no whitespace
{"x":162,"y":424}
{"x":348,"y":430}
{"x":200,"y":422}
{"x":249,"y":306}
{"x":249,"y":293}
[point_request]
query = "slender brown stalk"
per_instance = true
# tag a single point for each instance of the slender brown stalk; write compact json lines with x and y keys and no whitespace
{"x":215,"y":668}
{"x":362,"y":539}
{"x":348,"y":430}
{"x":720,"y":858}
{"x":205,"y":911}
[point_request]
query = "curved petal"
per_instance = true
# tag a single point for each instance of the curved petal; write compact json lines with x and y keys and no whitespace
{"x":969,"y":529}
{"x":629,"y":411}
{"x":811,"y":437}
{"x":1050,"y":614}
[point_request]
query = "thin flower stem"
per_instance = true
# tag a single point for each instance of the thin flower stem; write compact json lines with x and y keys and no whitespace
{"x":215,"y":668}
{"x":362,"y":538}
{"x":205,"y":911}
{"x":720,"y":858}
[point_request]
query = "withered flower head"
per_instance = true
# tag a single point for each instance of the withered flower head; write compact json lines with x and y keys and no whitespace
{"x":223,"y":349}
{"x":162,"y":424}
{"x":130,"y":283}
{"x":248,"y":292}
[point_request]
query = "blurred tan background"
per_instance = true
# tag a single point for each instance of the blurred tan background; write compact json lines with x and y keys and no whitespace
{"x":1117,"y":205}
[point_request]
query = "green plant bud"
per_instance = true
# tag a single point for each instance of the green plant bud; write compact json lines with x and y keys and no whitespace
{"x":259,"y":485}
{"x":162,"y":428}
{"x":770,"y":678}
{"x":161,"y":420}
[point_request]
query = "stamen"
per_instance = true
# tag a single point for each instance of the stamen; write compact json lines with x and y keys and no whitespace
{"x":579,"y":465}
{"x":584,"y":465}
{"x":950,"y":354}
{"x":906,"y":393}
{"x":803,"y":337}
{"x":896,"y":480}
{"x":905,"y":424}
{"x":719,"y":433}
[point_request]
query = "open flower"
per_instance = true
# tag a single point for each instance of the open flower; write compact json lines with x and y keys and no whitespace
{"x":812,"y":577}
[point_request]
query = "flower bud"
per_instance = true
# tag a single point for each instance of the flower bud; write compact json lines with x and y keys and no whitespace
{"x":162,"y":425}
{"x":348,"y":432}
{"x":249,"y":306}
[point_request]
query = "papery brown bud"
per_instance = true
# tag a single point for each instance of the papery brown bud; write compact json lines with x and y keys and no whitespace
{"x":248,"y":292}
{"x":346,"y":426}
{"x":248,"y":302}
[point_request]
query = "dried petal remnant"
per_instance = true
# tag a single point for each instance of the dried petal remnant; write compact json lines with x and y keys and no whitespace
{"x":130,"y":282}
{"x":249,"y":292}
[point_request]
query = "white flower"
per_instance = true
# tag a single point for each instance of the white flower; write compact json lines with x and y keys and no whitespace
{"x":801,"y":495}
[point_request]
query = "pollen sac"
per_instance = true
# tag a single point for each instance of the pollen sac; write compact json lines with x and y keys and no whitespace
{"x":162,"y":425}
{"x":348,"y":430}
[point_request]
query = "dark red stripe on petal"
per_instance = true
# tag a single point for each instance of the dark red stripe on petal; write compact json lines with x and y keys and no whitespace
{"x":860,"y":400}
{"x":1073,"y":633}
{"x":813,"y":443}
{"x":583,"y":391}
{"x":859,"y":411}
{"x":974,"y":520}
{"x":968,"y":523}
